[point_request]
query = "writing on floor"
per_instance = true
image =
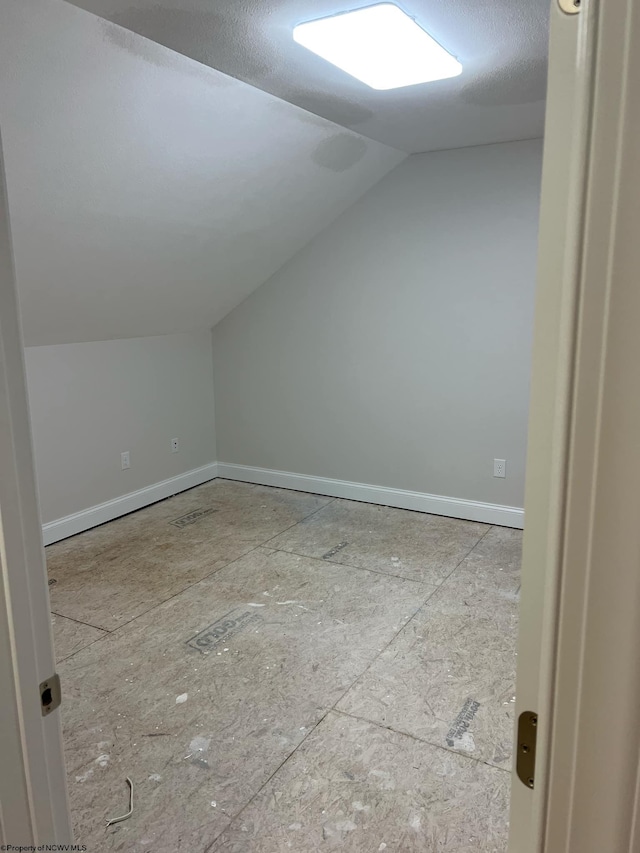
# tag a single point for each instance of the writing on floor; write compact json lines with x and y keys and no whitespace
{"x":462,"y":721}
{"x":191,"y":517}
{"x":334,"y":551}
{"x":223,"y":630}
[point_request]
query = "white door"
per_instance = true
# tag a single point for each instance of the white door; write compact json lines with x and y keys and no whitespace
{"x":33,"y":797}
{"x":580,"y":615}
{"x":560,"y":217}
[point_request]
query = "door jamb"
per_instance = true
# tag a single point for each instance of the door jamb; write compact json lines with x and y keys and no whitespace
{"x":33,"y":797}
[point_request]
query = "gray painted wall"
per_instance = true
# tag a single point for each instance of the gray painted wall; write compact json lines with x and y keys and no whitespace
{"x":89,"y":402}
{"x":395,"y":348}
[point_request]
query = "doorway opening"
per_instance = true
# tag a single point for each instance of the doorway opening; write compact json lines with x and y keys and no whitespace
{"x":284,"y":556}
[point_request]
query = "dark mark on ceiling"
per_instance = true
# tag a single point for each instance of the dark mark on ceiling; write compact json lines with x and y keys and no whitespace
{"x":292,"y":111}
{"x":502,"y":46}
{"x":155,"y":54}
{"x":338,"y":110}
{"x":214,"y":39}
{"x":339,"y":152}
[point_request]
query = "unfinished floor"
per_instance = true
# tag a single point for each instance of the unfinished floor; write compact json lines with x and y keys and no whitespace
{"x":280,"y":671}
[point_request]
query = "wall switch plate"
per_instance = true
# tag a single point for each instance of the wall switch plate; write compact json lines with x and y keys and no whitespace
{"x":124,"y":460}
{"x":174,"y":445}
{"x":499,"y":467}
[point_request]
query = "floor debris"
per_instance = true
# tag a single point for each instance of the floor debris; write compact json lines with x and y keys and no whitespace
{"x":130,"y":812}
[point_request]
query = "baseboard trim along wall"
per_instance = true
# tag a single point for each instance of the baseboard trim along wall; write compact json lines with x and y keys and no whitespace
{"x":505,"y":516}
{"x":53,"y":531}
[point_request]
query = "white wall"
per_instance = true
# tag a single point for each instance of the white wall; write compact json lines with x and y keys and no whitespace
{"x":395,"y":348}
{"x":89,"y":402}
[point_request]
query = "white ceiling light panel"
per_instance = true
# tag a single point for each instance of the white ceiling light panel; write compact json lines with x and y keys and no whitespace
{"x":380,"y":45}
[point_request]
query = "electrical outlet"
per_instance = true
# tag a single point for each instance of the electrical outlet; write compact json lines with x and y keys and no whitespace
{"x":125,"y":461}
{"x":500,"y":468}
{"x":174,"y":445}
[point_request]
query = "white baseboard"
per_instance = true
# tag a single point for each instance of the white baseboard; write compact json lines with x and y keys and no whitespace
{"x":53,"y":531}
{"x":505,"y":516}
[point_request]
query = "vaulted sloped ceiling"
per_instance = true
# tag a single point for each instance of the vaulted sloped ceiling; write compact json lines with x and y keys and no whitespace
{"x":148,"y":193}
{"x":502,"y":45}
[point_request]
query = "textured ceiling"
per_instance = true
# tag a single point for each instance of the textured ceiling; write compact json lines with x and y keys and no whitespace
{"x":502,"y":45}
{"x":148,"y":193}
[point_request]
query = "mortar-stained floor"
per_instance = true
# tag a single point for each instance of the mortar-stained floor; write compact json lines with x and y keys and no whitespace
{"x":280,"y":671}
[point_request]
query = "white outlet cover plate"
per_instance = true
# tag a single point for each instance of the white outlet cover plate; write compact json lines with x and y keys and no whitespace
{"x":500,"y":468}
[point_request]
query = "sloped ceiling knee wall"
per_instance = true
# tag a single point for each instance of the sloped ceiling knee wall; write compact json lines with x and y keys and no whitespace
{"x":148,"y":193}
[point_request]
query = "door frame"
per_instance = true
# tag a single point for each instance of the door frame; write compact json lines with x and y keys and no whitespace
{"x":593,"y":750}
{"x":577,"y":664}
{"x":581,"y":584}
{"x":34,"y":809}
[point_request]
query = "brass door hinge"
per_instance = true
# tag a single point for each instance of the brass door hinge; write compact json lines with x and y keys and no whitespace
{"x":526,"y":757}
{"x":50,"y":694}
